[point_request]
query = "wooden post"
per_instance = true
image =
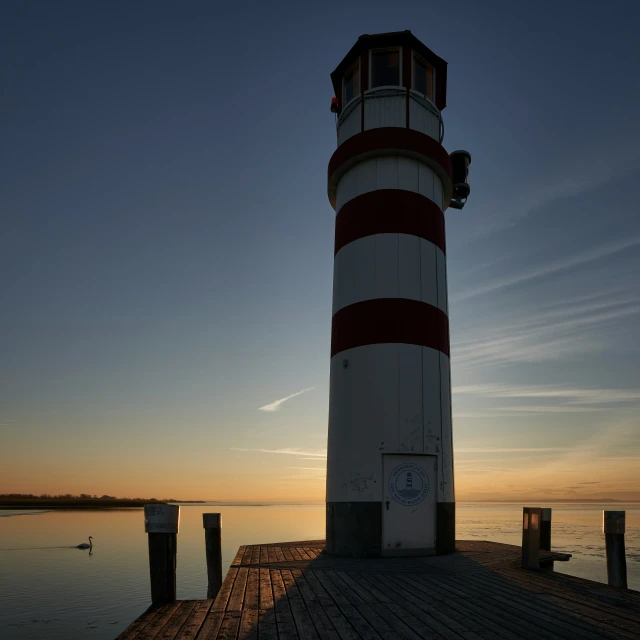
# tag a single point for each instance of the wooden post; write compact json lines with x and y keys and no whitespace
{"x":530,"y":537}
{"x":613,"y":525}
{"x":161,"y":523}
{"x":545,"y":537}
{"x":213,"y":543}
{"x":545,"y":529}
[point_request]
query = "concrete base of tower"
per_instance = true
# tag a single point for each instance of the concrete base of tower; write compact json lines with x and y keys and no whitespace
{"x":354,"y":529}
{"x":445,"y":527}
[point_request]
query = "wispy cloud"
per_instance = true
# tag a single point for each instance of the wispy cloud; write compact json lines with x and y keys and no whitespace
{"x":572,"y":395}
{"x":560,"y":330}
{"x":542,"y":195}
{"x":275,"y":406}
{"x":303,"y":455}
{"x":508,"y":449}
{"x":555,"y":266}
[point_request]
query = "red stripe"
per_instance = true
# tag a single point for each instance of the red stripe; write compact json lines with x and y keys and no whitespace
{"x":389,"y":211}
{"x":390,"y":320}
{"x":389,"y":140}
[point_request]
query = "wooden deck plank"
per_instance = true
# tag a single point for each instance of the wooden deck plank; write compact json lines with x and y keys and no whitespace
{"x":246,"y":556}
{"x":267,"y":630}
{"x":281,"y":602}
{"x":252,"y":591}
{"x":266,"y":603}
{"x":210,"y":626}
{"x":286,"y":552}
{"x":195,"y":620}
{"x":302,"y":618}
{"x":561,"y":617}
{"x":238,"y":557}
{"x":173,"y":626}
{"x":230,"y":625}
{"x":593,"y":611}
{"x":236,"y":599}
{"x":501,"y":619}
{"x":158,"y":621}
{"x":319,"y":616}
{"x":361,"y":600}
{"x":220,"y":603}
{"x":344,"y":630}
{"x":403,"y":597}
{"x":320,"y":592}
{"x":556,"y":620}
{"x":359,"y":622}
{"x":448,"y":626}
{"x":137,"y":625}
{"x":248,"y":629}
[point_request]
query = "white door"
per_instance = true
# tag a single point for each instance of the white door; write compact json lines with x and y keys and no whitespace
{"x":409,"y":504}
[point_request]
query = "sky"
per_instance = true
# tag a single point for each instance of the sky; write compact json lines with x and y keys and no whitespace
{"x":166,"y":244}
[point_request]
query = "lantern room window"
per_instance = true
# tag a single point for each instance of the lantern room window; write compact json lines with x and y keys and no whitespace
{"x":422,"y":77}
{"x":385,"y":68}
{"x":351,"y":83}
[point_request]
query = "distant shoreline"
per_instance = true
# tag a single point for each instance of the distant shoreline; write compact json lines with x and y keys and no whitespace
{"x":138,"y":503}
{"x":83,"y":503}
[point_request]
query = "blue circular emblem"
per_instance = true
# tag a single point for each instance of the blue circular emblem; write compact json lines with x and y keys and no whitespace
{"x":409,"y":484}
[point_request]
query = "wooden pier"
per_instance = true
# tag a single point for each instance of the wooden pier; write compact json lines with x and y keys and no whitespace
{"x":293,"y":590}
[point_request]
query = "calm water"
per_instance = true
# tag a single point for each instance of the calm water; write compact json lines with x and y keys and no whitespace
{"x":48,"y":589}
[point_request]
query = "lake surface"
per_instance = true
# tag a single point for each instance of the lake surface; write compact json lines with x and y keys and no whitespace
{"x":49,"y":589}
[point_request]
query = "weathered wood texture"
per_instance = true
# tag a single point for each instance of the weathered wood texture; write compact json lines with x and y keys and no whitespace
{"x":292,"y":590}
{"x":162,"y":567}
{"x":213,"y":545}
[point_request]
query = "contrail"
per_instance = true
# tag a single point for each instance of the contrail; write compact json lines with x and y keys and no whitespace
{"x":274,"y":406}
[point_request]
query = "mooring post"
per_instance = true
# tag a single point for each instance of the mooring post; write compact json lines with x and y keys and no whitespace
{"x":161,"y":523}
{"x":213,"y":543}
{"x":530,"y":537}
{"x":613,"y":526}
{"x":545,"y":529}
{"x":545,"y":536}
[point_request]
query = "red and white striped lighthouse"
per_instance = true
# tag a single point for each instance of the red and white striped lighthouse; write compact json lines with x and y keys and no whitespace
{"x":390,"y":454}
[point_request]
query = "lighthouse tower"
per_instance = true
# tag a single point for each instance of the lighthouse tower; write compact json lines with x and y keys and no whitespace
{"x":390,"y":454}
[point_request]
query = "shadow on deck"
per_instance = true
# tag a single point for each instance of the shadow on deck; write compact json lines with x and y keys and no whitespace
{"x":293,"y":590}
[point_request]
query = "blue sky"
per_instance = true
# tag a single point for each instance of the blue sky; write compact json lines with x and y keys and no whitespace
{"x":166,"y":244}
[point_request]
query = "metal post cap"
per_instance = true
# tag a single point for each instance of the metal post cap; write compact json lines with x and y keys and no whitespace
{"x":211,"y":521}
{"x":161,"y":518}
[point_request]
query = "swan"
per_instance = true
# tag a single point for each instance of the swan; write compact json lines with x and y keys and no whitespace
{"x":84,"y":545}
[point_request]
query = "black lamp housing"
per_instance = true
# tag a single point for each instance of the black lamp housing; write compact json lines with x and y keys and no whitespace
{"x":460,"y":161}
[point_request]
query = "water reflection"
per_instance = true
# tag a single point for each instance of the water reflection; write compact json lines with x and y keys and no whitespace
{"x":48,"y":589}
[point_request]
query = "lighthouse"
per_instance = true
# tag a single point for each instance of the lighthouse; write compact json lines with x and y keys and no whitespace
{"x":390,"y":485}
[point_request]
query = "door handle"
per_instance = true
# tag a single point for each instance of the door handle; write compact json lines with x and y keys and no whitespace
{"x":387,"y":505}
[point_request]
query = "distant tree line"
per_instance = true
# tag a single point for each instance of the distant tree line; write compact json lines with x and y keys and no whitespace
{"x":81,"y":496}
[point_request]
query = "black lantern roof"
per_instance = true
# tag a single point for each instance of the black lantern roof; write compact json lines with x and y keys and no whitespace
{"x":408,"y":42}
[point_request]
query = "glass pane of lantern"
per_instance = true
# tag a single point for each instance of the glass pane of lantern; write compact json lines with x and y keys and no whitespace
{"x":422,"y":77}
{"x":385,"y":68}
{"x":352,"y":83}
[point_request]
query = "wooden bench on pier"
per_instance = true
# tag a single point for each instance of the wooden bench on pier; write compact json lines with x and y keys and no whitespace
{"x":293,"y":590}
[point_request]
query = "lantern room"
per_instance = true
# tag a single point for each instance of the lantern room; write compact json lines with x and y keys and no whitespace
{"x":389,"y":80}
